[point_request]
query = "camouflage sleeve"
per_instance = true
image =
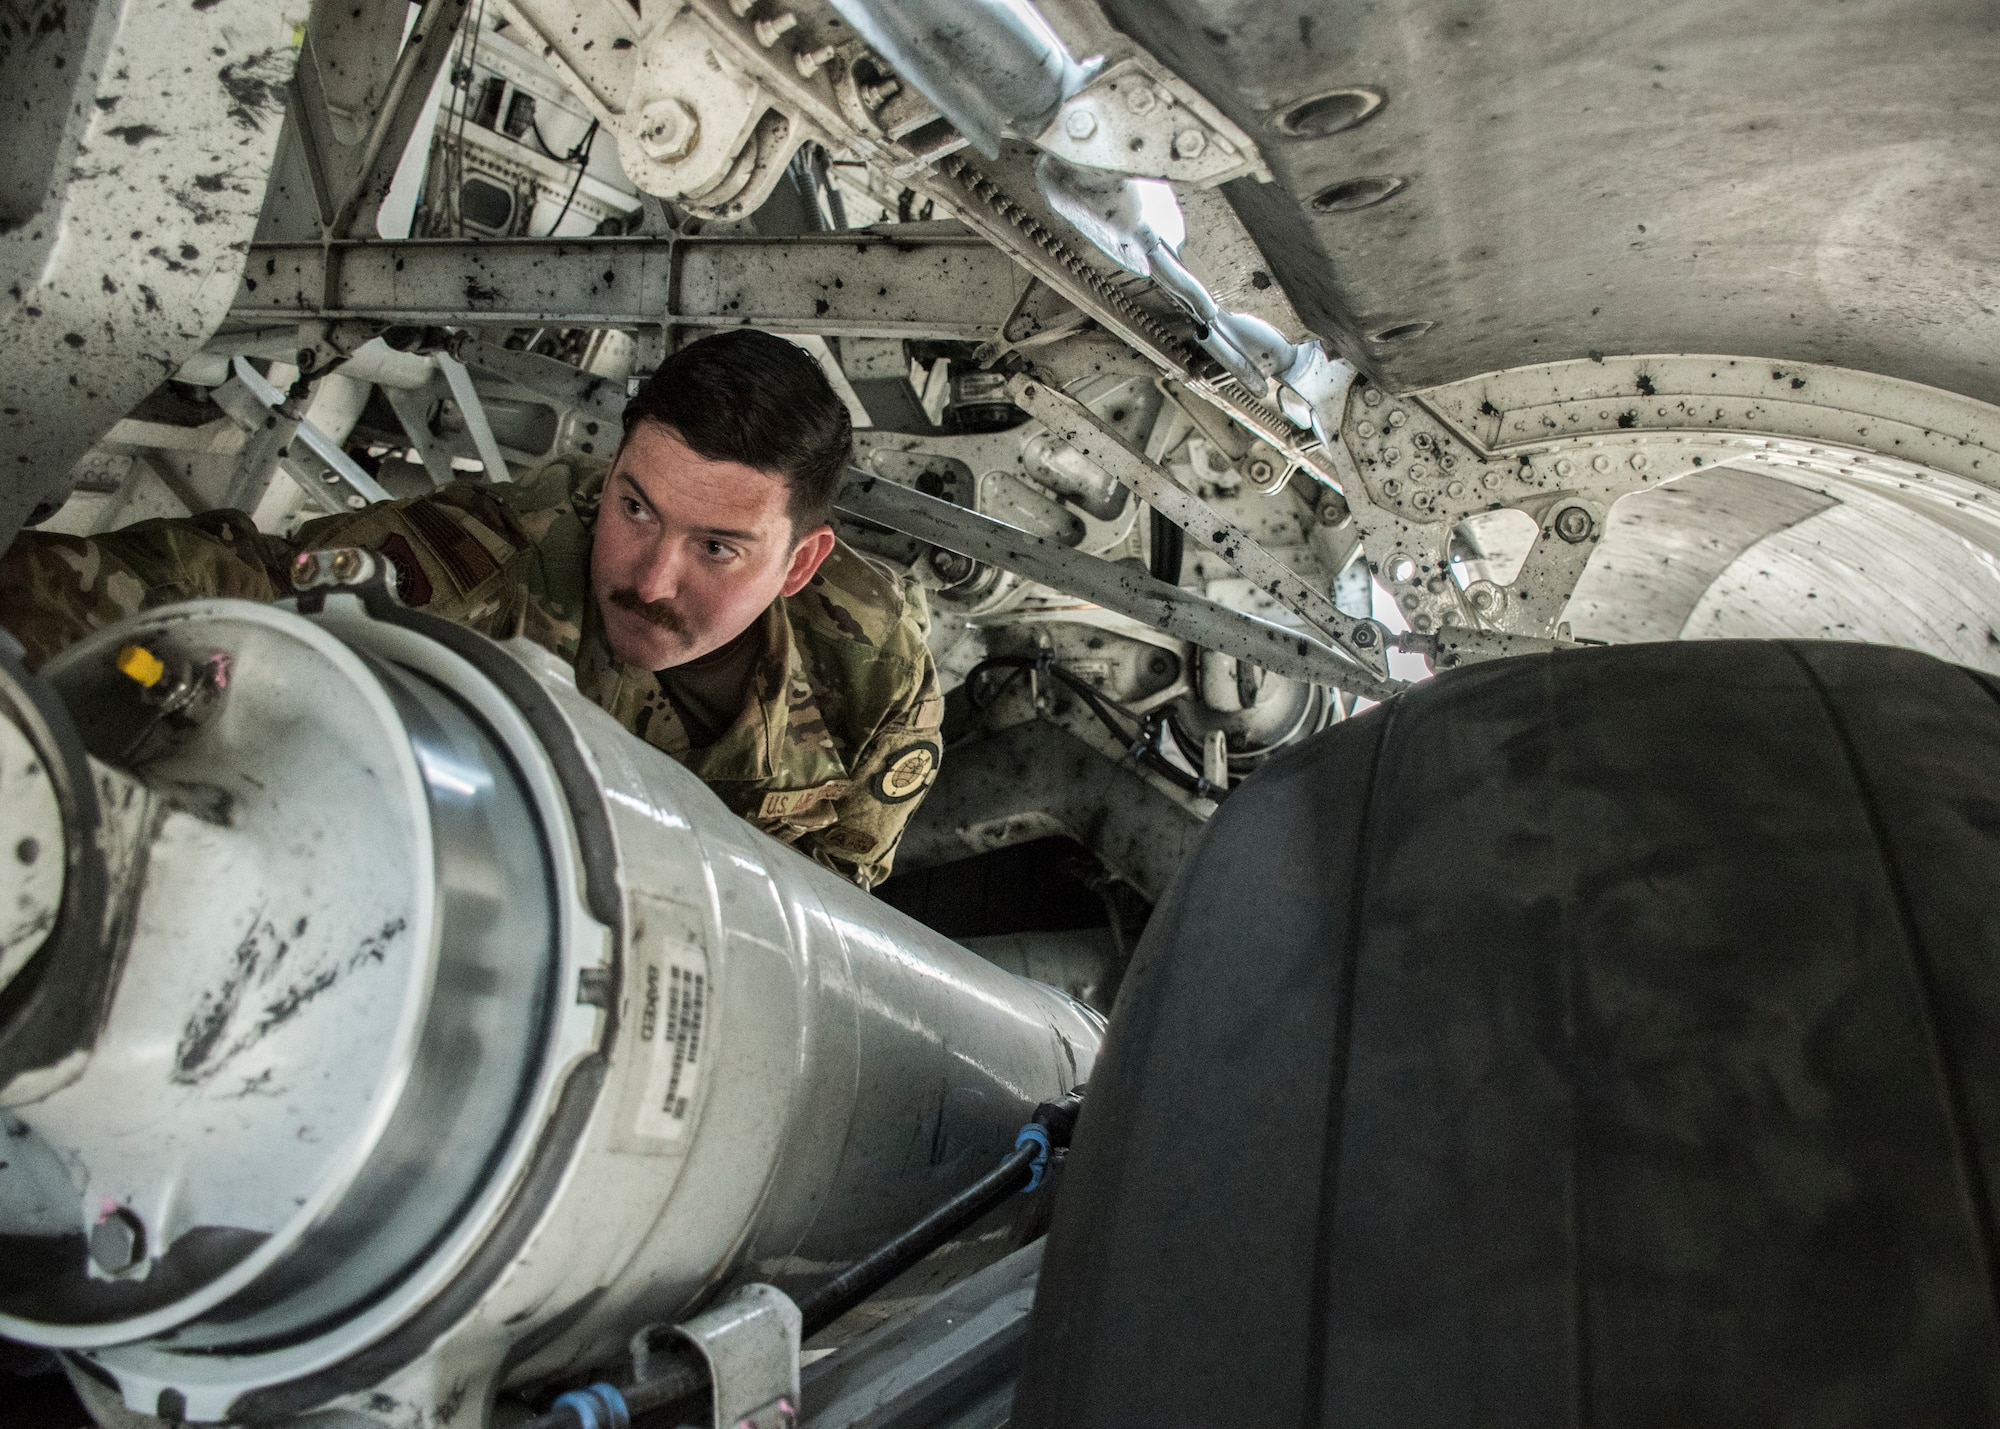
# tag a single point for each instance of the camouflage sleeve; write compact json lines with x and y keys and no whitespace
{"x":54,"y":590}
{"x":890,"y":774}
{"x":450,"y":551}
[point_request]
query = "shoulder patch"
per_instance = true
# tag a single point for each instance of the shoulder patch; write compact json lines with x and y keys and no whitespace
{"x":412,"y":585}
{"x":908,"y":773}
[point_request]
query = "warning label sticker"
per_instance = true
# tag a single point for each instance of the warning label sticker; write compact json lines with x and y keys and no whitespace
{"x":671,"y":1013}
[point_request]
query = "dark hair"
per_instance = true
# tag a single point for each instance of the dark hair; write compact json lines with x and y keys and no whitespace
{"x":746,"y":396}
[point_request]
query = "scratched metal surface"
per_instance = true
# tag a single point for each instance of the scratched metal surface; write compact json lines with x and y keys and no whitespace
{"x":1791,"y":179}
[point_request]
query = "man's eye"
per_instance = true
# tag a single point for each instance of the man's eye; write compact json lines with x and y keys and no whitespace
{"x":634,"y":508}
{"x":718,"y":550}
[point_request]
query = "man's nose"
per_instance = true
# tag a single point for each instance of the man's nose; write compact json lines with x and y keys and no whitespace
{"x":660,"y":577}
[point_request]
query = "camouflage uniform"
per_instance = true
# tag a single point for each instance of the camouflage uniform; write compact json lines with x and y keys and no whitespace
{"x":835,"y":743}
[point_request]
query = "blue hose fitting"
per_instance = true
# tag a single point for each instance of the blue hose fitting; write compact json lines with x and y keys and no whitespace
{"x":599,"y":1407}
{"x":1040,"y":1137}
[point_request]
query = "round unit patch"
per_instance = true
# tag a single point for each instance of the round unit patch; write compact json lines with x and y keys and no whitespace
{"x":908,"y":775}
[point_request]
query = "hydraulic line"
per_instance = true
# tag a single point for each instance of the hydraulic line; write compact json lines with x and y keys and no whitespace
{"x":1141,"y":739}
{"x":602,"y":1406}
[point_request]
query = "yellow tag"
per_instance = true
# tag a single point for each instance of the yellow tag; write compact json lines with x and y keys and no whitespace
{"x":141,"y":666}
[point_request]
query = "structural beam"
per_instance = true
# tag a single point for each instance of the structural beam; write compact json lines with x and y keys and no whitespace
{"x":931,"y":286}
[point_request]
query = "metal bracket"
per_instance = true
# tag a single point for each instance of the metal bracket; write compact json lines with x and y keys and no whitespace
{"x":751,"y":1343}
{"x":327,"y":474}
{"x":1361,"y":641}
{"x":1136,"y":118}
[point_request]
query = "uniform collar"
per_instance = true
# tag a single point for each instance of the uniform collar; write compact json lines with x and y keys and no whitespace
{"x":780,"y":736}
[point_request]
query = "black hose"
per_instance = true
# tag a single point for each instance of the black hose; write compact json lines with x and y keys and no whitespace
{"x":583,"y":167}
{"x":883,"y":1264}
{"x":1141,"y":740}
{"x":686,"y":1374}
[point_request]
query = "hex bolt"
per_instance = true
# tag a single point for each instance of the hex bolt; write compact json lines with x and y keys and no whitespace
{"x":1638,"y":461}
{"x":118,"y":1242}
{"x":1363,"y":637}
{"x":1140,"y":99}
{"x":1484,"y":599}
{"x":874,"y":96}
{"x":1371,"y":396}
{"x":347,"y":565}
{"x":1392,"y":455}
{"x":1564,"y":466}
{"x":1391,"y":486}
{"x":1573,"y":524}
{"x":1455,"y":490}
{"x":770,"y":31}
{"x":1189,"y":143}
{"x":1600,"y":463}
{"x":1079,"y":124}
{"x":1364,"y":429}
{"x":1490,"y":480}
{"x":668,"y":129}
{"x":809,"y":62}
{"x":305,"y":569}
{"x":1398,"y":417}
{"x":1260,"y":470}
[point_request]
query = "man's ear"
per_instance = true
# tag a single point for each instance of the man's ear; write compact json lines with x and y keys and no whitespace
{"x":814,"y":547}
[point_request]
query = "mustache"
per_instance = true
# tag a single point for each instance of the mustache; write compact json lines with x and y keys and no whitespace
{"x":654,"y":612}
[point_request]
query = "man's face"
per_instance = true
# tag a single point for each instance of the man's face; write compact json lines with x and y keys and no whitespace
{"x":689,"y":552}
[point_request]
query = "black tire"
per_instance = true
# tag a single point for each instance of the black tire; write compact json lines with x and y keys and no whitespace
{"x":1607,"y":1038}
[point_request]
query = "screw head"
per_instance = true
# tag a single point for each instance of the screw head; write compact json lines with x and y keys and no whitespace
{"x":1573,"y":524}
{"x":1364,"y":636}
{"x":118,"y":1242}
{"x":305,"y":569}
{"x":1398,"y":417}
{"x":1638,"y":461}
{"x":347,"y":564}
{"x":1189,"y":144}
{"x":1564,"y":466}
{"x":1260,"y":469}
{"x":1455,"y":490}
{"x":1391,"y":486}
{"x":1371,"y":396}
{"x":1079,"y":124}
{"x":1140,"y":99}
{"x":1600,"y":463}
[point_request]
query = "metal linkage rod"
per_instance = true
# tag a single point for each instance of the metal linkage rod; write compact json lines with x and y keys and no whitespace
{"x":1129,"y":592}
{"x":1362,"y":643}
